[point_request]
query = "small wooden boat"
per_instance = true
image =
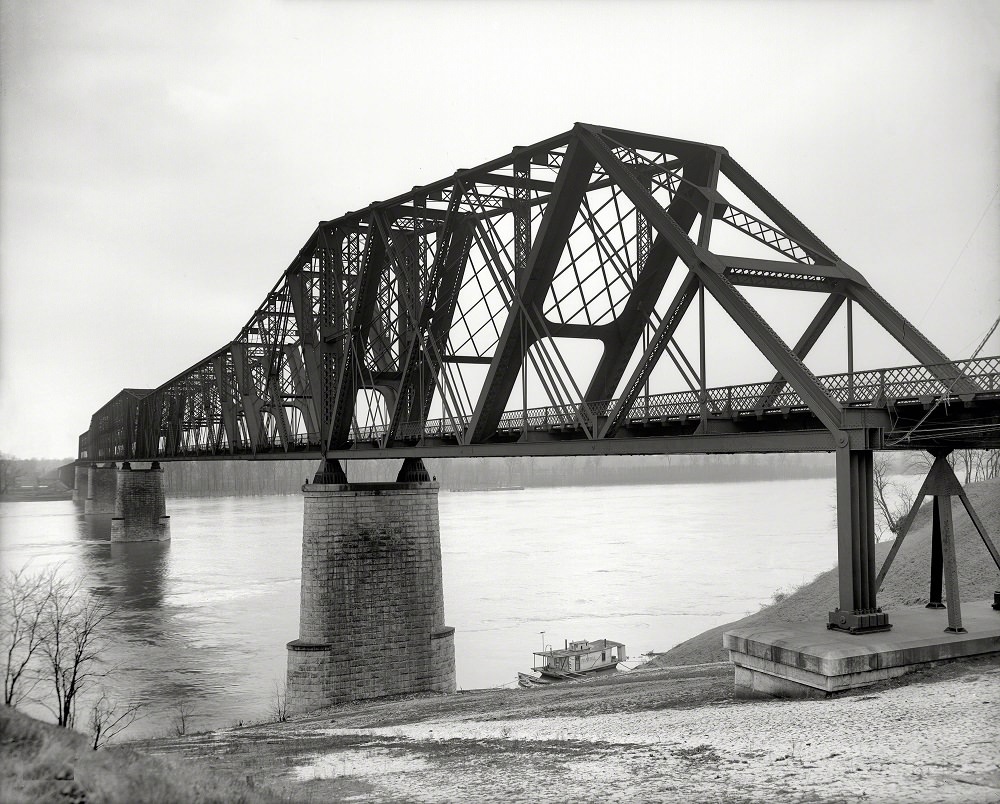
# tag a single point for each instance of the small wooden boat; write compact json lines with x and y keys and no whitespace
{"x":575,"y":661}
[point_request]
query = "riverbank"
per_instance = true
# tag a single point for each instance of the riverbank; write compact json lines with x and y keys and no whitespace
{"x":673,"y":730}
{"x":659,"y":733}
{"x":654,"y":735}
{"x":668,"y":734}
{"x":906,"y":584}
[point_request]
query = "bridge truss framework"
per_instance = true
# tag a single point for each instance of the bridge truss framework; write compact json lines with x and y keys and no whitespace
{"x":411,"y":328}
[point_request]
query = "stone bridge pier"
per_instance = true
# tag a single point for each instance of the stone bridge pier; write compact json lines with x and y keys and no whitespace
{"x":133,"y":498}
{"x":140,"y":513}
{"x":102,"y":481}
{"x":80,"y":483}
{"x":372,"y":606}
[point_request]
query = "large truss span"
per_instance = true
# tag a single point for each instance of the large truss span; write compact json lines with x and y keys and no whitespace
{"x":445,"y":321}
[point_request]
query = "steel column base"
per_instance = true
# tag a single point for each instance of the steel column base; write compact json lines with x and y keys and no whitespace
{"x":858,"y":622}
{"x":958,"y":630}
{"x":935,"y":606}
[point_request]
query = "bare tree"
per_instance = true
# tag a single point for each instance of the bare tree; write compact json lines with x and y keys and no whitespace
{"x":8,"y":472}
{"x":182,"y":716}
{"x":109,"y":718}
{"x":892,"y":500}
{"x":279,"y":708}
{"x":71,"y":651}
{"x":976,"y":464}
{"x":23,"y":601}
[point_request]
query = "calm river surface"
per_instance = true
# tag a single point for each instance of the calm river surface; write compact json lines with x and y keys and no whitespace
{"x":202,"y":620}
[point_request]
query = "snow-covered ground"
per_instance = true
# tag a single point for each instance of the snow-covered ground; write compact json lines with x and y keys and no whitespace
{"x":667,"y":734}
{"x":916,"y":743}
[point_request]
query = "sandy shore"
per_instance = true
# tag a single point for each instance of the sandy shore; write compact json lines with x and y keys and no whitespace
{"x":675,"y":734}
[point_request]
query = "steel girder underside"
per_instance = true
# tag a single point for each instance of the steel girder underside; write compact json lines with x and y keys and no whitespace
{"x":412,"y":327}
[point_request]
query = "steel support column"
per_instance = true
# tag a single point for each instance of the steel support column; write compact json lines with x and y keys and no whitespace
{"x":858,"y":612}
{"x":937,"y":559}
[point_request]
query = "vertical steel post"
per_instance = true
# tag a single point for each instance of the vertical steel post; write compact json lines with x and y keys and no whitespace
{"x":858,"y":611}
{"x":950,"y":569}
{"x":522,"y":248}
{"x":643,"y":244}
{"x":850,"y":352}
{"x":937,"y":565}
{"x":702,"y":391}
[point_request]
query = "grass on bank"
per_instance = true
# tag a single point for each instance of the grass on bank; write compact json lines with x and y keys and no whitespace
{"x":907,"y":583}
{"x":40,"y":762}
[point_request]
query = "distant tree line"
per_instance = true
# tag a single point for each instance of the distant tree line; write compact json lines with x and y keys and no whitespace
{"x":236,"y":478}
{"x":15,"y":472}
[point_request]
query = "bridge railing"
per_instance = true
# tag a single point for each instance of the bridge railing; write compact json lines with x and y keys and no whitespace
{"x":861,"y":388}
{"x":873,"y":388}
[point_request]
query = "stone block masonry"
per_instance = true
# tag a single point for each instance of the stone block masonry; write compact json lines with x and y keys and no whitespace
{"x":80,"y":483}
{"x":101,"y":481}
{"x":140,"y":506}
{"x":372,"y":604}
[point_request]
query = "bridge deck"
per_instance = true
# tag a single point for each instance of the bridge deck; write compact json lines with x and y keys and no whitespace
{"x":910,"y":407}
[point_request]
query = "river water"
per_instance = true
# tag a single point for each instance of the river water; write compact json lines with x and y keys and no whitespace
{"x":201,"y":621}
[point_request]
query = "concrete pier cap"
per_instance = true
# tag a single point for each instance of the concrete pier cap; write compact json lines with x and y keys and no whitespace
{"x":798,"y":660}
{"x":372,"y":602}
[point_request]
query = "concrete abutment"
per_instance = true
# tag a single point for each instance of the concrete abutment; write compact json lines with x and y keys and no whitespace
{"x":372,"y":600}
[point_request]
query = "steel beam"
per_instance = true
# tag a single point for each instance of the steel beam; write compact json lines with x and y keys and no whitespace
{"x":365,"y":296}
{"x":657,"y":344}
{"x":557,"y":221}
{"x":911,"y":339}
{"x":805,"y":343}
{"x":622,"y":337}
{"x":709,"y":270}
{"x":773,"y":208}
{"x":252,"y":404}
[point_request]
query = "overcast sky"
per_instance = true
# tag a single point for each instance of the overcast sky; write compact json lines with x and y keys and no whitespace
{"x":163,"y":162}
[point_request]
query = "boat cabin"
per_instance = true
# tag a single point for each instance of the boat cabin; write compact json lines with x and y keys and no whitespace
{"x":580,"y":657}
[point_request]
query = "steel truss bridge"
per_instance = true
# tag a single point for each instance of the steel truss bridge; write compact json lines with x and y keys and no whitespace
{"x":433,"y":323}
{"x":412,"y":327}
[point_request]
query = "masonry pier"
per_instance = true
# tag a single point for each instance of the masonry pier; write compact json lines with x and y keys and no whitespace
{"x":101,"y":484}
{"x":372,"y":606}
{"x":140,"y":513}
{"x":80,"y":482}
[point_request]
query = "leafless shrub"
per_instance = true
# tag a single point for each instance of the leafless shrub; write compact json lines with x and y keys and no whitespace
{"x":892,"y":500}
{"x":109,"y":718}
{"x":976,"y":464}
{"x":279,"y":707}
{"x":183,"y":714}
{"x":74,"y":641}
{"x":23,"y":601}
